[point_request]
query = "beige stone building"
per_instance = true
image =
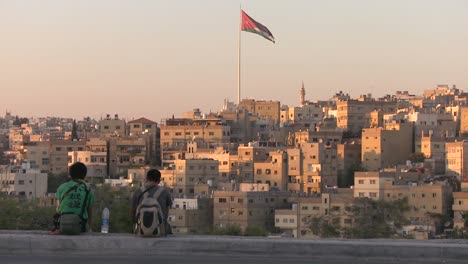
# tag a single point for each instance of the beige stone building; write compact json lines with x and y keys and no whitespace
{"x":348,"y":158}
{"x":312,"y":167}
{"x":354,"y":115}
{"x":332,"y":207}
{"x":456,"y":160}
{"x":176,"y":133}
{"x":124,"y":154}
{"x":426,"y":200}
{"x":148,"y":131}
{"x":23,"y":182}
{"x":371,"y":184}
{"x":96,"y":162}
{"x":246,"y":209}
{"x":193,"y":177}
{"x":383,"y":148}
{"x":112,"y":127}
{"x":460,"y":208}
{"x":59,"y":154}
{"x":191,"y":215}
{"x":272,"y":170}
{"x":38,"y":155}
{"x":433,"y":149}
{"x":269,"y":110}
{"x":308,"y":115}
{"x":463,"y":120}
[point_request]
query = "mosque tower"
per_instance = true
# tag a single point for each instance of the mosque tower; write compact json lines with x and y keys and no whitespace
{"x":302,"y":95}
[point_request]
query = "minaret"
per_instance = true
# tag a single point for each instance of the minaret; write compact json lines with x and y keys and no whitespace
{"x":302,"y":94}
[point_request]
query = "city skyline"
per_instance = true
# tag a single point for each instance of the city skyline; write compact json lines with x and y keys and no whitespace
{"x":157,"y":59}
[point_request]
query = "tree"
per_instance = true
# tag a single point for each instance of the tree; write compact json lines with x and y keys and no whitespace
{"x":325,"y":226}
{"x":255,"y":230}
{"x":74,"y":133}
{"x":54,"y":181}
{"x":417,"y":157}
{"x":24,"y":215}
{"x":377,"y":219}
{"x":118,"y":201}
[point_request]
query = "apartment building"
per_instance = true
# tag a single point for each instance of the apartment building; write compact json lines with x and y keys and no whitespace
{"x":348,"y":159}
{"x":425,"y":200}
{"x":124,"y":154}
{"x":109,"y":127}
{"x":312,"y":167}
{"x":433,"y":148}
{"x":244,"y":209}
{"x":176,"y":133}
{"x":460,"y":209}
{"x":38,"y":155}
{"x":149,"y":131}
{"x":23,"y":182}
{"x":387,"y":147}
{"x":268,"y":110}
{"x":354,"y":115}
{"x":272,"y":170}
{"x":463,"y":120}
{"x":188,"y":216}
{"x":371,"y":183}
{"x":59,"y":154}
{"x":96,"y":162}
{"x":193,"y":177}
{"x":456,"y":160}
{"x":332,"y":207}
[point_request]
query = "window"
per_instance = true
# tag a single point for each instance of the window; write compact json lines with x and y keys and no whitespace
{"x":178,"y":133}
{"x":361,"y":181}
{"x":291,"y":220}
{"x":434,"y":195}
{"x":259,"y":171}
{"x":21,"y":182}
{"x":267,"y":171}
{"x":361,"y":194}
{"x":166,"y":133}
{"x":372,"y":181}
{"x":373,"y":194}
{"x":211,"y":133}
{"x":222,"y":200}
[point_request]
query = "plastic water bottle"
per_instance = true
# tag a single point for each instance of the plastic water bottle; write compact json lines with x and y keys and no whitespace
{"x":105,"y":220}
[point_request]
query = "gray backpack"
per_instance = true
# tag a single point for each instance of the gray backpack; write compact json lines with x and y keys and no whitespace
{"x":149,"y":215}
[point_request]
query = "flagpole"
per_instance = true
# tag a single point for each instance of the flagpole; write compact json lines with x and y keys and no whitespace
{"x":239,"y":58}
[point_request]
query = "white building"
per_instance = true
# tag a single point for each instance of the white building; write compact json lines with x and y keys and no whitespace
{"x":24,"y":181}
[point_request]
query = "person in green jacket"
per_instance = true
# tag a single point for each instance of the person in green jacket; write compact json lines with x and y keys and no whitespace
{"x":71,"y":196}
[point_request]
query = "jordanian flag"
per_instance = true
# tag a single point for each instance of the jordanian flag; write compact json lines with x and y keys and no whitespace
{"x":250,"y":25}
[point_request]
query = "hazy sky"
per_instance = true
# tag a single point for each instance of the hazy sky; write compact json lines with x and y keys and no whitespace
{"x":156,"y":58}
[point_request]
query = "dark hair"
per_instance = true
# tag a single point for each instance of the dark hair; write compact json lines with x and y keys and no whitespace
{"x":78,"y":171}
{"x":153,"y":175}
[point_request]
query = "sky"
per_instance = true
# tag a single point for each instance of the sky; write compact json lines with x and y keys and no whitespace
{"x":158,"y":58}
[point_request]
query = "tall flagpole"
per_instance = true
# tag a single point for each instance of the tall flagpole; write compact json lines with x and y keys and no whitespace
{"x":239,"y":58}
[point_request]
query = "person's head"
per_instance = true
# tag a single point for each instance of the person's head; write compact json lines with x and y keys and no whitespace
{"x":153,"y":175}
{"x":77,"y":171}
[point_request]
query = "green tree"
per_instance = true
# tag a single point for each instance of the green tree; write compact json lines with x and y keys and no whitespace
{"x":74,"y":132}
{"x":118,"y":201}
{"x":255,"y":230}
{"x":24,"y":215}
{"x":417,"y":157}
{"x":55,"y":180}
{"x":325,"y":226}
{"x":377,"y":219}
